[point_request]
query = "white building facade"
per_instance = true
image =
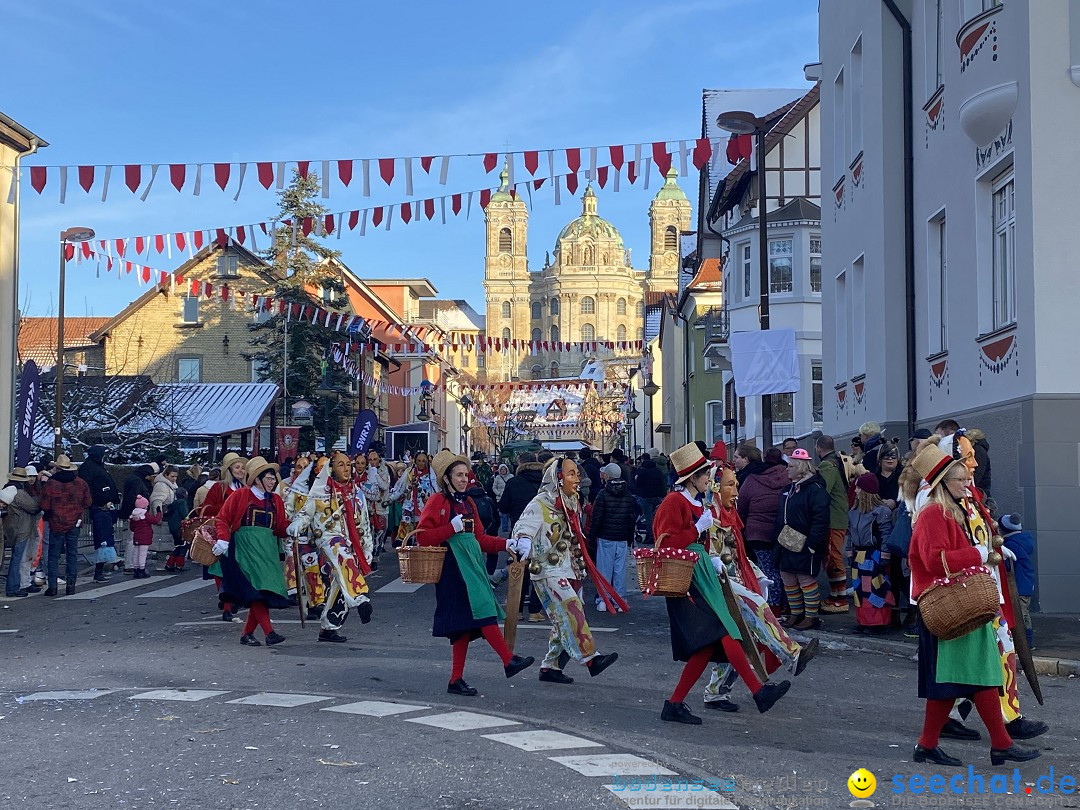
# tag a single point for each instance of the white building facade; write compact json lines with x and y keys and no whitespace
{"x":989,"y":234}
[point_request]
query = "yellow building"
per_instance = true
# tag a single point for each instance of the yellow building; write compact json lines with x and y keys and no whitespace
{"x":588,"y":291}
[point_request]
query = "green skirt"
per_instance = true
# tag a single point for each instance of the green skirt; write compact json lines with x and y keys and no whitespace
{"x":971,"y":659}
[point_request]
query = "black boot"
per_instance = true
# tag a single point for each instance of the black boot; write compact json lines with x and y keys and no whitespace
{"x":248,"y":640}
{"x":314,"y":613}
{"x":331,"y":635}
{"x":274,"y":637}
{"x":99,"y":573}
{"x":50,"y":591}
{"x":69,"y":590}
{"x":806,"y":655}
{"x":679,"y":713}
{"x":1023,"y":729}
{"x":935,"y":755}
{"x":459,"y":687}
{"x":767,"y":695}
{"x":601,"y":662}
{"x":554,"y":676}
{"x":516,"y":664}
{"x":724,"y":705}
{"x":955,"y":730}
{"x":1014,"y":753}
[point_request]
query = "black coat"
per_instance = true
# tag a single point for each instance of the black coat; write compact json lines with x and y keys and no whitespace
{"x":615,"y":513}
{"x":101,"y":483}
{"x":806,"y":506}
{"x":485,"y":508}
{"x":521,"y":489}
{"x":592,"y":467}
{"x":134,"y":486}
{"x":650,"y":481}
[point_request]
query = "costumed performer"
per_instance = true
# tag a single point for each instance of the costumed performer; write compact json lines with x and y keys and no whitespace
{"x":233,"y":472}
{"x":295,"y":495}
{"x":413,"y":488}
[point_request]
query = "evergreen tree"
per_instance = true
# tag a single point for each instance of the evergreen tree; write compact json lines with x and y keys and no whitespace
{"x":291,"y":351}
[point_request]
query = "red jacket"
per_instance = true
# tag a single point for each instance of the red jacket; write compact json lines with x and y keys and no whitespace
{"x":64,"y":498}
{"x":216,"y":498}
{"x":434,"y":527}
{"x":142,"y":531}
{"x":675,"y":517}
{"x":234,"y":510}
{"x":933,"y":534}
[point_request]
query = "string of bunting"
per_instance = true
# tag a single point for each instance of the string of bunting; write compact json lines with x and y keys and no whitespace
{"x":138,"y":177}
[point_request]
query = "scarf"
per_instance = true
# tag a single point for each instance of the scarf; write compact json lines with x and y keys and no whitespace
{"x":603,"y":587}
{"x":350,"y":524}
{"x":729,"y":518}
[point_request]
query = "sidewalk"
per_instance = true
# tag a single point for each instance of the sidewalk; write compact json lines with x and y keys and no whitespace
{"x":1057,"y":640}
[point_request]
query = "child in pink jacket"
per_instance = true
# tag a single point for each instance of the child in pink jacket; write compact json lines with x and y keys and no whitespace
{"x":142,"y":534}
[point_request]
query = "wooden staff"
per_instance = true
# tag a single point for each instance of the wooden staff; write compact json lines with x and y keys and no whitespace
{"x":515,"y":570}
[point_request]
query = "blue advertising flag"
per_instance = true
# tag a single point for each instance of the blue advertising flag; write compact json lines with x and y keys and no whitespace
{"x":26,"y":413}
{"x":363,"y":431}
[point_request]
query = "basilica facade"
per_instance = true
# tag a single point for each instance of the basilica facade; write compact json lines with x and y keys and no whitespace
{"x":588,"y":289}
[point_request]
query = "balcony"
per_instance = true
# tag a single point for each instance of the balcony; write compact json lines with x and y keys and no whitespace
{"x":987,"y":89}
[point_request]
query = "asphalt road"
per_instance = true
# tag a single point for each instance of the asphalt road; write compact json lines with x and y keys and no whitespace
{"x":137,"y":746}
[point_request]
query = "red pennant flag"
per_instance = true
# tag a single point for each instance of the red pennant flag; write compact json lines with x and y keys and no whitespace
{"x":490,"y":161}
{"x":406,"y":212}
{"x":87,"y":251}
{"x":133,"y":176}
{"x":86,"y":177}
{"x":195,"y":287}
{"x":616,"y":153}
{"x":538,"y":183}
{"x":128,"y":267}
{"x":266,"y":174}
{"x":146,"y":275}
{"x":661,"y":157}
{"x":177,"y":173}
{"x":328,"y":223}
{"x":222,"y":237}
{"x":221,"y":174}
{"x":181,"y":243}
{"x":241,"y":234}
{"x":702,"y":153}
{"x":140,"y":245}
{"x":429,"y":208}
{"x":69,"y":251}
{"x":179,"y":279}
{"x":485,"y":198}
{"x":601,"y":176}
{"x":386,"y":170}
{"x":532,"y":161}
{"x":38,"y":176}
{"x":224,"y":292}
{"x":267,"y":304}
{"x":739,"y":147}
{"x":197,"y":239}
{"x":307,"y":224}
{"x":571,"y":183}
{"x":120,"y":247}
{"x":159,"y":243}
{"x":573,"y":159}
{"x":164,"y":278}
{"x":455,"y":203}
{"x":354,"y":218}
{"x":425,"y":163}
{"x":631,"y":172}
{"x":302,"y":168}
{"x":376,"y":216}
{"x":208,"y":289}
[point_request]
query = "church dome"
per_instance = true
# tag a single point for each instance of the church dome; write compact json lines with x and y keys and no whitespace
{"x":589,"y":224}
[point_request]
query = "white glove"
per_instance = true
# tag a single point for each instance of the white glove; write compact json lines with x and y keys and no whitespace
{"x":220,"y":549}
{"x":293,"y":530}
{"x":704,"y":522}
{"x":1007,"y":553}
{"x":717,"y":564}
{"x":458,"y":523}
{"x":983,"y":552}
{"x":520,"y":546}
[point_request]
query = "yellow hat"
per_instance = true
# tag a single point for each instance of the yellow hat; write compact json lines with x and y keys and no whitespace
{"x":257,"y":466}
{"x":226,"y":462}
{"x":443,"y":461}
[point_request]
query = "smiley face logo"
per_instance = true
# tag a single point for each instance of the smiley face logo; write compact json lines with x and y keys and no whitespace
{"x":862,"y":784}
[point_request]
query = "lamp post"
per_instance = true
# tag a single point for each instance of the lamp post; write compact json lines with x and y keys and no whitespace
{"x":68,"y":237}
{"x":650,"y":389}
{"x":465,"y":403}
{"x":744,"y":123}
{"x":632,"y":415}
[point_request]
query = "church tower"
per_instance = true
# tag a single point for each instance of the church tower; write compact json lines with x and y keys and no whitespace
{"x":669,"y":216}
{"x":506,"y":276}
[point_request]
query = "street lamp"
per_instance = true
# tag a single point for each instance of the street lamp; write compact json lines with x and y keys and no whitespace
{"x":651,"y":389}
{"x":465,"y":403}
{"x":68,"y":239}
{"x":740,"y":122}
{"x":632,"y":415}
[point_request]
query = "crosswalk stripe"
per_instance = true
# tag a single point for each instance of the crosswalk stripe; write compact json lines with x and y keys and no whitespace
{"x":399,"y":586}
{"x":109,"y":590}
{"x":67,"y":694}
{"x":612,"y":765}
{"x":178,"y":589}
{"x":542,"y":740}
{"x":654,"y":797}
{"x":182,"y":695}
{"x":278,"y":699}
{"x":11,"y":632}
{"x":462,"y":721}
{"x":375,"y":708}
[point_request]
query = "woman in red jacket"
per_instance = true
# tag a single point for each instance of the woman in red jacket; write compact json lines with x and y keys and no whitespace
{"x":465,"y":607}
{"x":702,"y":628}
{"x":944,"y":542}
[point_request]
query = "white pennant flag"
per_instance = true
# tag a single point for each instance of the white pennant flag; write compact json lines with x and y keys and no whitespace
{"x":326,"y":178}
{"x":615,"y":179}
{"x":105,"y":185}
{"x":468,"y":206}
{"x":366,"y":165}
{"x":510,"y":169}
{"x":408,"y":177}
{"x":363,"y":222}
{"x":683,"y":150}
{"x":13,"y":187}
{"x":240,"y":184}
{"x":280,"y":172}
{"x":442,"y":209}
{"x":558,"y":193}
{"x":592,"y":163}
{"x":444,"y":169}
{"x":63,"y":184}
{"x":551,"y":163}
{"x":198,"y":179}
{"x":168,"y":245}
{"x":153,"y":175}
{"x":337,"y":227}
{"x":645,"y":166}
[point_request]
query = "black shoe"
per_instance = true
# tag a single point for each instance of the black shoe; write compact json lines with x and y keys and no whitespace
{"x":955,"y":730}
{"x":935,"y":755}
{"x":459,"y":687}
{"x":1023,"y":729}
{"x":292,"y":598}
{"x":331,"y":635}
{"x":69,"y":589}
{"x":767,"y":695}
{"x":601,"y":662}
{"x":1013,"y":753}
{"x":274,"y":637}
{"x":678,"y":713}
{"x":33,"y":589}
{"x":554,"y":676}
{"x":249,"y":640}
{"x":363,"y":610}
{"x":101,"y":577}
{"x":51,"y":592}
{"x":724,"y":705}
{"x":314,"y":613}
{"x":518,"y":663}
{"x":17,"y":594}
{"x":226,"y":616}
{"x":806,"y":655}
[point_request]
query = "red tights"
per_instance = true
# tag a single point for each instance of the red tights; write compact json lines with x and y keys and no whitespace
{"x":986,"y":704}
{"x":258,"y":615}
{"x":460,"y":647}
{"x":699,"y":660}
{"x":224,"y":605}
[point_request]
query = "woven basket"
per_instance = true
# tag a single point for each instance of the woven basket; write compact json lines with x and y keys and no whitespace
{"x":202,"y":543}
{"x":190,"y":524}
{"x":959,"y":603}
{"x":664,"y":571}
{"x":420,"y":565}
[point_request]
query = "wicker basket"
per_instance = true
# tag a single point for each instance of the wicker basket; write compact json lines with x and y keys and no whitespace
{"x":420,"y":565}
{"x":202,"y":543}
{"x":959,"y":603}
{"x":664,"y":571}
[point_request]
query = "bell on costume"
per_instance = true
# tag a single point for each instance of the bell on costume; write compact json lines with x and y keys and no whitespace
{"x":535,"y":568}
{"x":561,"y":546}
{"x":553,"y":557}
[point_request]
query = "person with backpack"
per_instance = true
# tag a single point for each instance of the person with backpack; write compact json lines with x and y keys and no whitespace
{"x":869,"y":526}
{"x":104,"y":498}
{"x":614,"y":516}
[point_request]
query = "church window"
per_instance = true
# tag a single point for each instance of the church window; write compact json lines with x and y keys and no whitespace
{"x":506,"y":309}
{"x":588,"y":332}
{"x":640,"y":309}
{"x":554,"y":370}
{"x":671,"y":238}
{"x":620,"y":307}
{"x":536,"y":310}
{"x":506,"y":334}
{"x":506,"y":241}
{"x":554,"y":334}
{"x":588,"y":305}
{"x":537,"y":335}
{"x":538,"y":372}
{"x":620,"y":333}
{"x":554,"y":306}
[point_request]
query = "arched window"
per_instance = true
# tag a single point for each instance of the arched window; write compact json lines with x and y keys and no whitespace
{"x":588,"y":332}
{"x":671,"y":238}
{"x":538,"y":372}
{"x":536,"y":310}
{"x":537,"y":335}
{"x":506,"y":309}
{"x":554,"y":306}
{"x":640,"y":309}
{"x":554,"y":333}
{"x":640,"y":334}
{"x":506,"y":241}
{"x":620,"y":306}
{"x":620,"y":333}
{"x":554,"y":371}
{"x":588,"y":305}
{"x":506,"y":334}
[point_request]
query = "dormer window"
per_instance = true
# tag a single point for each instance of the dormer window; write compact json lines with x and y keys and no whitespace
{"x":228,"y":265}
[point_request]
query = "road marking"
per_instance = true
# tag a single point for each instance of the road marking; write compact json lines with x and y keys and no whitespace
{"x":542,"y":740}
{"x":67,"y":694}
{"x":399,"y":586}
{"x":547,"y":627}
{"x":182,"y":695}
{"x":462,"y":721}
{"x":178,"y":589}
{"x":109,"y":590}
{"x":10,"y":632}
{"x":279,"y":699}
{"x":642,"y":796}
{"x":612,"y":765}
{"x":375,"y":708}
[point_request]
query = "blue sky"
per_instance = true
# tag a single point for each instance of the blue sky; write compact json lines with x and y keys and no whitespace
{"x":134,"y":82}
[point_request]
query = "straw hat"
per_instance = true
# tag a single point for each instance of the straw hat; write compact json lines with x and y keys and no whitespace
{"x":18,"y":474}
{"x":227,"y":461}
{"x":932,"y":463}
{"x":64,"y":463}
{"x":257,"y":466}
{"x":687,"y":461}
{"x":443,"y":461}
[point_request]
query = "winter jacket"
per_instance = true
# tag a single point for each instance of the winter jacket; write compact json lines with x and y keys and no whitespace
{"x":592,"y":466}
{"x":485,"y":510}
{"x":64,"y":498}
{"x":870,"y":453}
{"x":759,"y":498}
{"x":831,"y":471}
{"x":650,"y":481}
{"x":900,"y":536}
{"x":20,"y":522}
{"x":870,"y":529}
{"x":142,"y":531}
{"x":889,"y":486}
{"x":162,"y":498}
{"x":134,"y":486}
{"x":102,"y":486}
{"x":1022,"y":545}
{"x":806,"y":506}
{"x":614,"y":513}
{"x":178,"y":512}
{"x":982,"y":458}
{"x":498,"y":486}
{"x":936,"y":541}
{"x":521,"y":489}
